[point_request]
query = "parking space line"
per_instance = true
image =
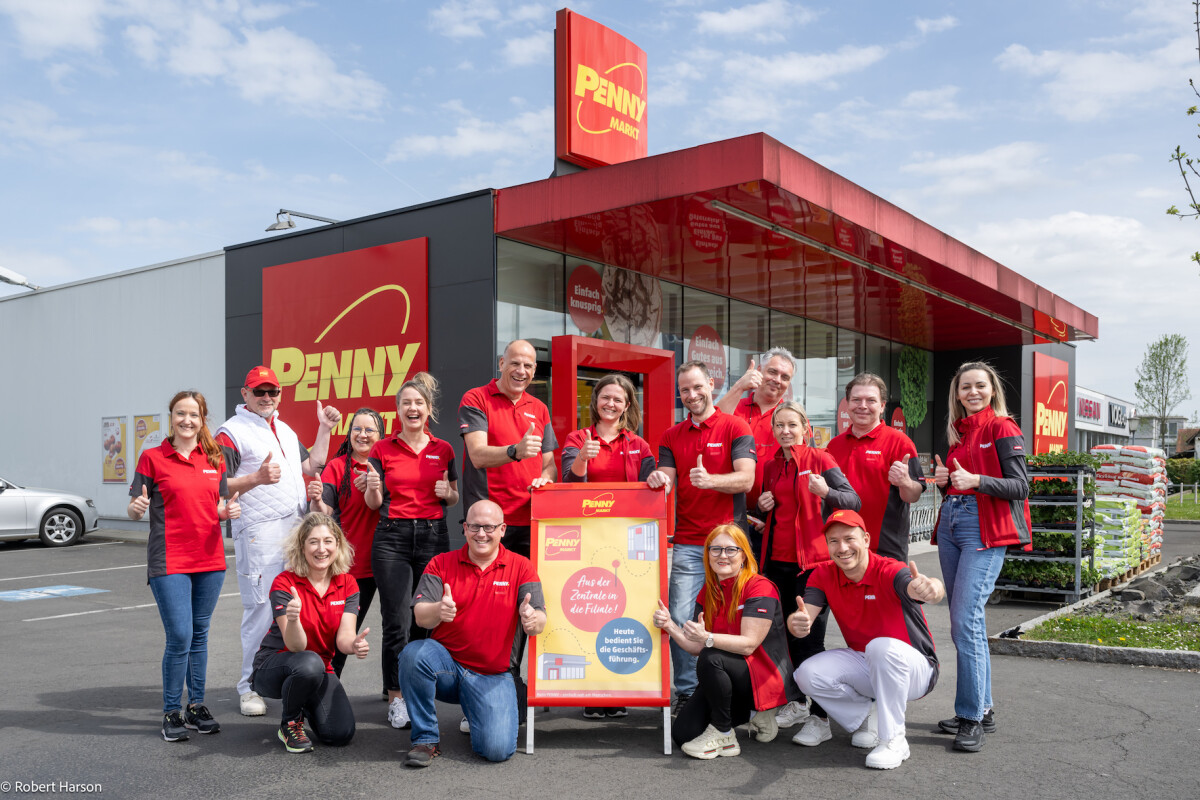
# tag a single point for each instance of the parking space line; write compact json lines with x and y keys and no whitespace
{"x":102,"y":610}
{"x":76,"y":572}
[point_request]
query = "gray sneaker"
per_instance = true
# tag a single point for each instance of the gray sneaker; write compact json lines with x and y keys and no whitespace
{"x":173,"y":729}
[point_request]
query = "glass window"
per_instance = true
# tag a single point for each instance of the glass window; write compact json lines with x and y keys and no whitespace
{"x":706,"y":337}
{"x":787,"y":332}
{"x":877,"y":359}
{"x":820,"y":380}
{"x":849,"y":358}
{"x":748,"y":337}
{"x":529,"y":295}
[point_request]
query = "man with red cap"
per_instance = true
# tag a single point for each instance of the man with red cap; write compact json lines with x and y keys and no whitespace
{"x":890,"y":657}
{"x":266,"y":463}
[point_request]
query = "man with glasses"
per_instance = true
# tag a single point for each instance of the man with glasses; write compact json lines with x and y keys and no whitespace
{"x":472,"y":601}
{"x":266,"y":464}
{"x":768,"y":385}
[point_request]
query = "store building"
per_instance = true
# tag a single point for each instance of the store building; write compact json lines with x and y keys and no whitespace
{"x":1101,"y":419}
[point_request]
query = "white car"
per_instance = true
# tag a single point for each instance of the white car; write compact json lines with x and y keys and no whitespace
{"x":57,"y":518}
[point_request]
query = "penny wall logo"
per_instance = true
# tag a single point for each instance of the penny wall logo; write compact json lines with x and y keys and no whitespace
{"x":562,"y":542}
{"x":600,"y":504}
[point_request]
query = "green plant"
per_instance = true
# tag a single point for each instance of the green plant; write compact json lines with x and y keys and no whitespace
{"x":1170,"y":633}
{"x":1183,"y":470}
{"x":1067,"y":458}
{"x":914,"y":378}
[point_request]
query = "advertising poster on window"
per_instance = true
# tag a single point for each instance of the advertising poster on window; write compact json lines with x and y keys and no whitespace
{"x":147,"y":433}
{"x":601,"y":552}
{"x":112,"y":445}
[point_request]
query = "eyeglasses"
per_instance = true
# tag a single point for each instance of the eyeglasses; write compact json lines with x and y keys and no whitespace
{"x":260,"y":392}
{"x":367,"y":431}
{"x":473,"y":528}
{"x":732,"y":550}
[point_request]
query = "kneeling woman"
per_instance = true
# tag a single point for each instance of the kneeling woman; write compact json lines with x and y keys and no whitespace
{"x":737,"y":634}
{"x":315,"y":603}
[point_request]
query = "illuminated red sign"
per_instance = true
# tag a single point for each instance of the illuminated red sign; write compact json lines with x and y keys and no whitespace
{"x":348,"y":329}
{"x":1051,"y":380}
{"x":600,"y":93}
{"x":898,"y":420}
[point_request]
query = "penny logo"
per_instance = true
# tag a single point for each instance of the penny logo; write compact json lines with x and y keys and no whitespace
{"x":600,"y":504}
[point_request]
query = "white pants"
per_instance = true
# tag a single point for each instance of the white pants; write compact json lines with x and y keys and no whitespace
{"x":258,"y":555}
{"x":844,"y":682}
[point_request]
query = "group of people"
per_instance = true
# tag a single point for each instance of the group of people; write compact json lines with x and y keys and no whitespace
{"x":771,"y":536}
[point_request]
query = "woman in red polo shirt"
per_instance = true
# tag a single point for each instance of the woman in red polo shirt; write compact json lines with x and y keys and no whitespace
{"x":315,"y":605}
{"x":181,"y":483}
{"x":801,"y":486}
{"x":611,"y":451}
{"x":340,"y":493}
{"x":737,"y":635}
{"x":412,"y":482}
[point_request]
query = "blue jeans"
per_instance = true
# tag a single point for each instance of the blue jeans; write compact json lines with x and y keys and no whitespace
{"x":969,"y":570}
{"x":185,"y":603}
{"x":687,"y":579}
{"x":489,"y":702}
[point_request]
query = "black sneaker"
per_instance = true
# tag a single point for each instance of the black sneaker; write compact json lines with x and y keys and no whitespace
{"x":422,"y":755}
{"x":292,"y":734}
{"x":615,"y":712}
{"x":951,"y":725}
{"x":680,"y":702}
{"x":970,"y":736}
{"x":593,"y":713}
{"x":198,"y":719}
{"x":173,"y":729}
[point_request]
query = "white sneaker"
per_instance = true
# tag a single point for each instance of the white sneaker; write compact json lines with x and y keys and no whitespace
{"x":252,"y":705}
{"x":791,"y":714}
{"x":763,"y":726}
{"x":889,"y":755}
{"x":867,"y":735}
{"x":464,"y":726}
{"x":815,"y":731}
{"x":712,"y":743}
{"x":398,"y":713}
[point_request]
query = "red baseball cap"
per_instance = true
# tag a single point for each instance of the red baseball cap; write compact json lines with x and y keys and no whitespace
{"x":260,"y":376}
{"x":844,"y":516}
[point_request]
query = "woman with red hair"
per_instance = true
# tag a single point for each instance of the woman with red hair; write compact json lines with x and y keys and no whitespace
{"x":737,"y":635}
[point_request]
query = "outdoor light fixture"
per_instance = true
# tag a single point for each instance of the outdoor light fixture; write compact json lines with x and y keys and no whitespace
{"x":16,"y":279}
{"x":283,"y":220}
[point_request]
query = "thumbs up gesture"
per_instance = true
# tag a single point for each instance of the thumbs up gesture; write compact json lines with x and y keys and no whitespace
{"x":695,"y":630}
{"x":361,"y":647}
{"x":961,"y":479}
{"x":327,"y":416}
{"x":369,"y":481}
{"x":799,"y":622}
{"x":267,"y":472}
{"x":817,"y":485}
{"x":442,"y":488}
{"x":138,"y":505}
{"x":662,"y":616}
{"x":751,"y":379}
{"x":530,"y":444}
{"x":700,"y":477}
{"x":591,"y":447}
{"x":314,"y":489}
{"x":941,"y":475}
{"x":233,"y":509}
{"x":898,"y":473}
{"x":293,"y":607}
{"x":529,"y":616}
{"x":922,"y":587}
{"x":447,"y":610}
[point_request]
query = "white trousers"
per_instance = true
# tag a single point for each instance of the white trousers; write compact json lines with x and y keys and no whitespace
{"x":844,"y":682}
{"x":258,"y":555}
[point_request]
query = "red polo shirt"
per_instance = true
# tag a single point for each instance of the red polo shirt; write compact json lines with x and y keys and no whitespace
{"x":185,"y":533}
{"x":320,"y":616}
{"x":796,"y":522}
{"x":760,"y":423}
{"x":626,"y":458}
{"x":358,"y":520}
{"x":481,"y":635}
{"x":722,"y":439}
{"x":486,"y":408}
{"x":409,"y":476}
{"x":866,"y":462}
{"x":876,"y":606}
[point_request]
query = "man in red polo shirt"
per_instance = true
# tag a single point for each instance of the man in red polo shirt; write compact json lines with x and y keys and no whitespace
{"x":881,"y":464}
{"x":890,"y":659}
{"x":471,"y":600}
{"x":768,"y":386}
{"x":710,"y":457}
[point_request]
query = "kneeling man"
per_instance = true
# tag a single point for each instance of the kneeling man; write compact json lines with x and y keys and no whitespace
{"x":472,"y":600}
{"x":890,"y":659}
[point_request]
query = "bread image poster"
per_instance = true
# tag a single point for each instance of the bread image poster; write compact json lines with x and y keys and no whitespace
{"x":147,"y":434}
{"x":112,"y":446}
{"x":600,"y":551}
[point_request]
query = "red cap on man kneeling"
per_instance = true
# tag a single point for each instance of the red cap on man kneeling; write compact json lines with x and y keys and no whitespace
{"x":844,"y":516}
{"x":260,"y":376}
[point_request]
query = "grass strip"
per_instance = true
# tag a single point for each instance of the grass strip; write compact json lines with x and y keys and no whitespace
{"x":1169,"y":633}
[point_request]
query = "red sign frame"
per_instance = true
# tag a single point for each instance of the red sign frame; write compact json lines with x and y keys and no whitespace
{"x":1051,"y":387}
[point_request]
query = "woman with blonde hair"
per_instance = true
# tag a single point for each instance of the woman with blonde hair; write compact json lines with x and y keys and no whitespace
{"x":315,"y":603}
{"x":737,"y":635}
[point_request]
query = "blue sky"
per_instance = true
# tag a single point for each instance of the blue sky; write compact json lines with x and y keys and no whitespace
{"x":137,"y":131}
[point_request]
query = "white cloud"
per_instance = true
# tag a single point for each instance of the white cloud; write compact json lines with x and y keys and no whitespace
{"x":766,"y":21}
{"x":143,"y":41}
{"x":463,"y":19}
{"x":934,"y":104}
{"x":1019,"y":165}
{"x":529,"y":131}
{"x":45,"y":27}
{"x":57,"y":74}
{"x":537,"y":48}
{"x":928,"y":26}
{"x":33,"y":124}
{"x":799,"y":69}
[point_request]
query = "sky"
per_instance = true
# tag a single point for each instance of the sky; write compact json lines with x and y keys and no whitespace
{"x":138,"y":131}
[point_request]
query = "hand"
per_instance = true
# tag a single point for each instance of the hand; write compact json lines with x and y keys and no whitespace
{"x":361,"y":647}
{"x":327,"y":416}
{"x":447,"y":609}
{"x":540,"y":481}
{"x":756,"y":522}
{"x":530,"y":444}
{"x":695,"y":631}
{"x":699,"y":476}
{"x":233,"y":509}
{"x":591,"y":447}
{"x":315,"y":489}
{"x":924,"y":587}
{"x":898,"y":474}
{"x":372,"y":481}
{"x":529,"y":616}
{"x":267,"y":472}
{"x":799,"y":622}
{"x":441,"y":489}
{"x":659,"y":480}
{"x":961,"y":479}
{"x":293,"y":606}
{"x":751,"y":379}
{"x":662,"y":616}
{"x":766,"y":501}
{"x":941,"y":475}
{"x":140,"y":504}
{"x":817,"y":485}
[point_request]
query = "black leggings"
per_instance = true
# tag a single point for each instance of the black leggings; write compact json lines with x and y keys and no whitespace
{"x":401,"y":551}
{"x":791,"y":584}
{"x":723,"y":697}
{"x":366,"y":593}
{"x":308,"y":692}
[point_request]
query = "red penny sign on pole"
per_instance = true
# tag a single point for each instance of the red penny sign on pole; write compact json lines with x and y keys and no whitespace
{"x":706,"y":347}
{"x":584,"y":299}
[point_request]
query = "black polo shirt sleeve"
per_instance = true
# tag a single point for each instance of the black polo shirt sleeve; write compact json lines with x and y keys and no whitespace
{"x":646,"y":467}
{"x":549,"y":441}
{"x":665,"y":457}
{"x":916,"y":471}
{"x":279,"y":602}
{"x":841,"y":493}
{"x":471,"y":419}
{"x":351,"y":606}
{"x":760,"y":607}
{"x":815,"y":596}
{"x":534,"y":590}
{"x":744,"y":447}
{"x":429,"y":589}
{"x":569,"y":454}
{"x":233,"y":458}
{"x":303,"y":453}
{"x":156,"y":512}
{"x":223,"y":486}
{"x":900,"y":584}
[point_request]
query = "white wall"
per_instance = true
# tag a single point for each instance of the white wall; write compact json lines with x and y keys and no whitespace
{"x":119,"y":345}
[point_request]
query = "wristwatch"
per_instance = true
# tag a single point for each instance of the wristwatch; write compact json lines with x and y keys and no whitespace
{"x":512,"y":452}
{"x":709,"y":641}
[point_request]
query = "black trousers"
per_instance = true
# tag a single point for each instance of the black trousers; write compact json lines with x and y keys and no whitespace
{"x":308,"y":692}
{"x":366,"y":593}
{"x":399,"y":555}
{"x":516,"y":539}
{"x":791,"y":582}
{"x":724,"y":696}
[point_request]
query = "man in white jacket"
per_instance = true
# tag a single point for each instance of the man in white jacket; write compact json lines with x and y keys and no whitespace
{"x":266,"y":463}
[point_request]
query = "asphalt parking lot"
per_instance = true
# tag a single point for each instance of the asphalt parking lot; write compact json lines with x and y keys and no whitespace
{"x":84,"y":691}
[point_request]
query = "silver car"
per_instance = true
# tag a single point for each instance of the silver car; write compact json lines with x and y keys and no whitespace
{"x":57,"y":518}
